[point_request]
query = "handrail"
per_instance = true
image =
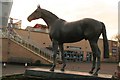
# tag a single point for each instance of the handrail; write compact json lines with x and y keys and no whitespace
{"x":32,"y":42}
{"x":16,"y":37}
{"x":36,"y":45}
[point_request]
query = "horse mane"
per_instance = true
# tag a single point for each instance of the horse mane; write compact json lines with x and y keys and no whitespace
{"x":48,"y":12}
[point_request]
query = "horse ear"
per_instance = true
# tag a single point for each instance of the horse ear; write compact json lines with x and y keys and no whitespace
{"x":38,"y":6}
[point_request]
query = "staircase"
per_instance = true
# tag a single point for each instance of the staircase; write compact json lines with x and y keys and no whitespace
{"x":30,"y":45}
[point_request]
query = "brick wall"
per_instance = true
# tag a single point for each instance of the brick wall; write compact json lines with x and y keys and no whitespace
{"x":44,"y":40}
{"x":17,"y":51}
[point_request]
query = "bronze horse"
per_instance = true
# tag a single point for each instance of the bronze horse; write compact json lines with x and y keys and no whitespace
{"x":61,"y":32}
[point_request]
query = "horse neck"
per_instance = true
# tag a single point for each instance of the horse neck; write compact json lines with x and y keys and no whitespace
{"x":48,"y":17}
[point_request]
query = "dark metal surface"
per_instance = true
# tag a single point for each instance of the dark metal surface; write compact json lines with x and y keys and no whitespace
{"x":61,"y":31}
{"x":46,"y":74}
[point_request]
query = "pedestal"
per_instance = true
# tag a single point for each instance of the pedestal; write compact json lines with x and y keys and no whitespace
{"x":57,"y":74}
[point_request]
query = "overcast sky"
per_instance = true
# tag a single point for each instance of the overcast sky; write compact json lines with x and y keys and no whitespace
{"x":70,"y":10}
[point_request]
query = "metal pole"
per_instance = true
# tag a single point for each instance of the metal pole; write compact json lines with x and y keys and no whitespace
{"x":10,"y":25}
{"x":29,"y":30}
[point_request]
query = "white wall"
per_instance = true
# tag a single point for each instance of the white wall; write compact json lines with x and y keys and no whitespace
{"x":5,"y":8}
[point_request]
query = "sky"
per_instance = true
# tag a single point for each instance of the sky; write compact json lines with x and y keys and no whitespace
{"x":70,"y":10}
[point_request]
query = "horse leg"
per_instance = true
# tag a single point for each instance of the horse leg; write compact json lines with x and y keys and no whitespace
{"x":55,"y":48}
{"x":93,"y":64}
{"x":94,"y":48}
{"x":98,"y":62}
{"x":63,"y":56}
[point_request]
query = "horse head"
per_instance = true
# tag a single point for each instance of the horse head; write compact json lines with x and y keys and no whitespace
{"x":35,"y":15}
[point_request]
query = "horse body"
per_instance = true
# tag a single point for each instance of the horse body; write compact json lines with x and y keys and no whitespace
{"x":68,"y":32}
{"x":61,"y":32}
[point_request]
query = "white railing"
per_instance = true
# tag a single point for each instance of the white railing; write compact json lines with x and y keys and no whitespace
{"x":28,"y":43}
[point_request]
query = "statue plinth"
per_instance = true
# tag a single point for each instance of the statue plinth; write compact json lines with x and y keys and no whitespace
{"x":57,"y":74}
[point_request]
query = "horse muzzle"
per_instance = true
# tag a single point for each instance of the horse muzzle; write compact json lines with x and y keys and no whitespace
{"x":29,"y":19}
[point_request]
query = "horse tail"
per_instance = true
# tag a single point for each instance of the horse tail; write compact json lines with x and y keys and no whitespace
{"x":105,"y":41}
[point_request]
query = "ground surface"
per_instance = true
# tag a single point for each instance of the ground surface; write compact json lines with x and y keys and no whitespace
{"x":106,"y":68}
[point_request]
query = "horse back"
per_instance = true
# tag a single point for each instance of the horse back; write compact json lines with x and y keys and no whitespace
{"x":92,"y":28}
{"x":75,"y":31}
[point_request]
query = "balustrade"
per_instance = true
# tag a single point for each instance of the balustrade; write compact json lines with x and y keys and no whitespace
{"x":29,"y":44}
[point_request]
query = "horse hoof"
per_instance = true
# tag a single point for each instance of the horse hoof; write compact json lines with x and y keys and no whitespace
{"x":91,"y":72}
{"x":95,"y":74}
{"x":62,"y":70}
{"x":51,"y":69}
{"x":59,"y":62}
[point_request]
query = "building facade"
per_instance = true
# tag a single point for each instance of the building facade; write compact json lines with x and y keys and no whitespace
{"x":78,"y":51}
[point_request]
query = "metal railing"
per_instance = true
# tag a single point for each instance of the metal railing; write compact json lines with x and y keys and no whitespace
{"x":29,"y":44}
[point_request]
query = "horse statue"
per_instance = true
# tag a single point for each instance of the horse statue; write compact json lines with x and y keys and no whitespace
{"x":61,"y":32}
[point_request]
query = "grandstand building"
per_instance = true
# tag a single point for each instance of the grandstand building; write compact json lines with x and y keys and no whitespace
{"x":75,"y":52}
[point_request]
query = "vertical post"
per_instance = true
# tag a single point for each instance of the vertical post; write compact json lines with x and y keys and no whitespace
{"x":29,"y":30}
{"x":5,"y":8}
{"x":10,"y":25}
{"x":119,"y":30}
{"x":26,"y":65}
{"x":4,"y":65}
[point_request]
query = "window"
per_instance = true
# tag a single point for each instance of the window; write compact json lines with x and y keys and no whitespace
{"x":114,"y":50}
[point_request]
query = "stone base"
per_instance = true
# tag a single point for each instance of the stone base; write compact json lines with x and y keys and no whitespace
{"x":57,"y":74}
